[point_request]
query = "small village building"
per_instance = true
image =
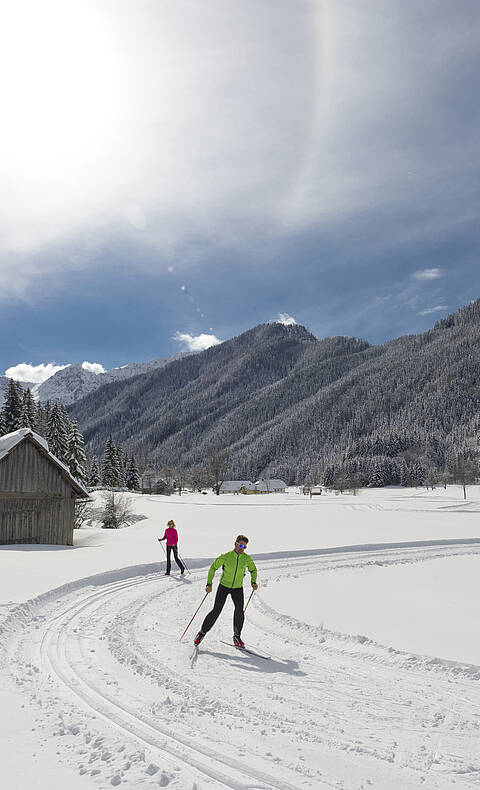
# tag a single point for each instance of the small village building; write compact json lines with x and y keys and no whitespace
{"x":237,"y":487}
{"x":267,"y":486}
{"x":37,"y":492}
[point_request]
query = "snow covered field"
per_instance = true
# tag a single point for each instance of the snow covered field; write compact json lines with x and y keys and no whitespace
{"x":368,"y":606}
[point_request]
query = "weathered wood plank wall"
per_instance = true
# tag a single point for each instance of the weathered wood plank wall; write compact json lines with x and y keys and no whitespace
{"x":36,"y":503}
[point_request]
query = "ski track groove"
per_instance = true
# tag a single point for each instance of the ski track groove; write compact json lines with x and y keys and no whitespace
{"x":54,"y":651}
{"x":114,"y":613}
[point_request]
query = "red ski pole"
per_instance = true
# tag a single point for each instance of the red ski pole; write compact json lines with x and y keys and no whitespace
{"x":191,"y":621}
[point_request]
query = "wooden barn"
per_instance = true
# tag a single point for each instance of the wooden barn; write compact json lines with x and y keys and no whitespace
{"x":37,"y":492}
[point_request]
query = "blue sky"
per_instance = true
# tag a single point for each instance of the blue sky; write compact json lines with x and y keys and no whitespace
{"x":211,"y":166}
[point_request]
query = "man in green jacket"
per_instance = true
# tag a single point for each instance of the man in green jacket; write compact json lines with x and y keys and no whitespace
{"x":234,"y":564}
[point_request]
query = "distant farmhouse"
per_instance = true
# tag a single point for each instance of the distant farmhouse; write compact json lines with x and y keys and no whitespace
{"x":247,"y":487}
{"x":270,"y":486}
{"x":237,"y":487}
{"x":37,"y":492}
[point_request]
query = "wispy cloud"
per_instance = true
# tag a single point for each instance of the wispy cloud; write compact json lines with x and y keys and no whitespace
{"x":36,"y":374}
{"x":196,"y":342}
{"x":413,"y":301}
{"x":437,"y":309}
{"x":427,"y":274}
{"x":285,"y":319}
{"x":93,"y":367}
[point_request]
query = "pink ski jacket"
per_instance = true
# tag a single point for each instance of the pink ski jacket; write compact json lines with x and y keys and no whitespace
{"x":171,"y":536}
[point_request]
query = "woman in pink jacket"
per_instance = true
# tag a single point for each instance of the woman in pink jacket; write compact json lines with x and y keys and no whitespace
{"x":171,"y":536}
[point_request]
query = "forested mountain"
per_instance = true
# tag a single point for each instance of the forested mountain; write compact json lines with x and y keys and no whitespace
{"x":284,"y":403}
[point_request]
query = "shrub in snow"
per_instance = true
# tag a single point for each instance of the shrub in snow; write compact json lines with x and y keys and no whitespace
{"x":116,"y":511}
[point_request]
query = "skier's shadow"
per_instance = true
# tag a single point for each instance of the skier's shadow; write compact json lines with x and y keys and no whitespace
{"x":252,"y":663}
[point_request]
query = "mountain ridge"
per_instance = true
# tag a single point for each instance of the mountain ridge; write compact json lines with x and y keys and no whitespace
{"x":284,"y":403}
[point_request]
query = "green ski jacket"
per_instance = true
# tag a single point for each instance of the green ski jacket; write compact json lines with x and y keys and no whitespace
{"x":234,"y":566}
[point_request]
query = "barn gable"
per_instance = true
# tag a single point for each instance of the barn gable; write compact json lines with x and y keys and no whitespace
{"x":37,"y":492}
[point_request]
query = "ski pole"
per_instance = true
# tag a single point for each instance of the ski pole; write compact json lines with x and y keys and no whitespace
{"x":191,"y":621}
{"x":183,"y":562}
{"x":249,"y":599}
{"x":164,"y":551}
{"x":163,"y":547}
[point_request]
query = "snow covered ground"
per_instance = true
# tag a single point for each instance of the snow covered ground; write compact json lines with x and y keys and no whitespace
{"x":368,"y":607}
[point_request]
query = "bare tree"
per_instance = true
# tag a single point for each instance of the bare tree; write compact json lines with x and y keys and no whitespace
{"x":217,"y":463}
{"x":82,"y":512}
{"x":465,"y":473}
{"x":143,"y":458}
{"x":147,"y":480}
{"x":180,"y":477}
{"x":199,"y":478}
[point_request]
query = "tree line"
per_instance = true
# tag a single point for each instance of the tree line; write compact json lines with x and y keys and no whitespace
{"x":116,"y":469}
{"x":65,"y":441}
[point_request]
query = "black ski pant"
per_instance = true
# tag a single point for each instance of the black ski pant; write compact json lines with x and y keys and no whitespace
{"x":175,"y":554}
{"x":220,"y":598}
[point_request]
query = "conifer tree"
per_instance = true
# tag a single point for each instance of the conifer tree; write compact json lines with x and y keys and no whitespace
{"x":66,"y":420}
{"x":75,"y":458}
{"x":56,"y":435}
{"x":376,"y":479}
{"x":3,"y":428}
{"x":418,"y":474}
{"x":132,"y":479}
{"x":28,"y":417}
{"x":110,"y":471}
{"x":12,"y":406}
{"x":122,"y":462}
{"x":40,"y":421}
{"x":94,"y":473}
{"x":405,"y":476}
{"x":48,"y":409}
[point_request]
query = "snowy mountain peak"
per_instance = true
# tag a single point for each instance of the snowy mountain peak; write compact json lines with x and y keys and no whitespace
{"x":76,"y":381}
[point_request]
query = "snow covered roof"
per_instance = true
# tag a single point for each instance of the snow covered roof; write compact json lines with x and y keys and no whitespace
{"x":10,"y":440}
{"x":235,"y":485}
{"x":271,"y":483}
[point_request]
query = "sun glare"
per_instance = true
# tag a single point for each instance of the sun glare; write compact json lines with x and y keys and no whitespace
{"x":59,"y":83}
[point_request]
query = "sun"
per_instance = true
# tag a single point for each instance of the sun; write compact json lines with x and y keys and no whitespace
{"x":60,"y":85}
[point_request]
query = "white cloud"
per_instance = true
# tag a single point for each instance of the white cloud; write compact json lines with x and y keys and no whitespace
{"x":428,"y":274}
{"x":34,"y":373}
{"x":93,"y":367}
{"x":436,"y":309}
{"x":285,"y":319}
{"x":159,"y":136}
{"x":196,"y":342}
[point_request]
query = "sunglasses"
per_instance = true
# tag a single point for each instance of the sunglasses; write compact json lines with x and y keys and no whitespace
{"x":242,"y":545}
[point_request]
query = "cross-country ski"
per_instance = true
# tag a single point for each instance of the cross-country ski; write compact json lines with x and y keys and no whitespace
{"x":246,"y":649}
